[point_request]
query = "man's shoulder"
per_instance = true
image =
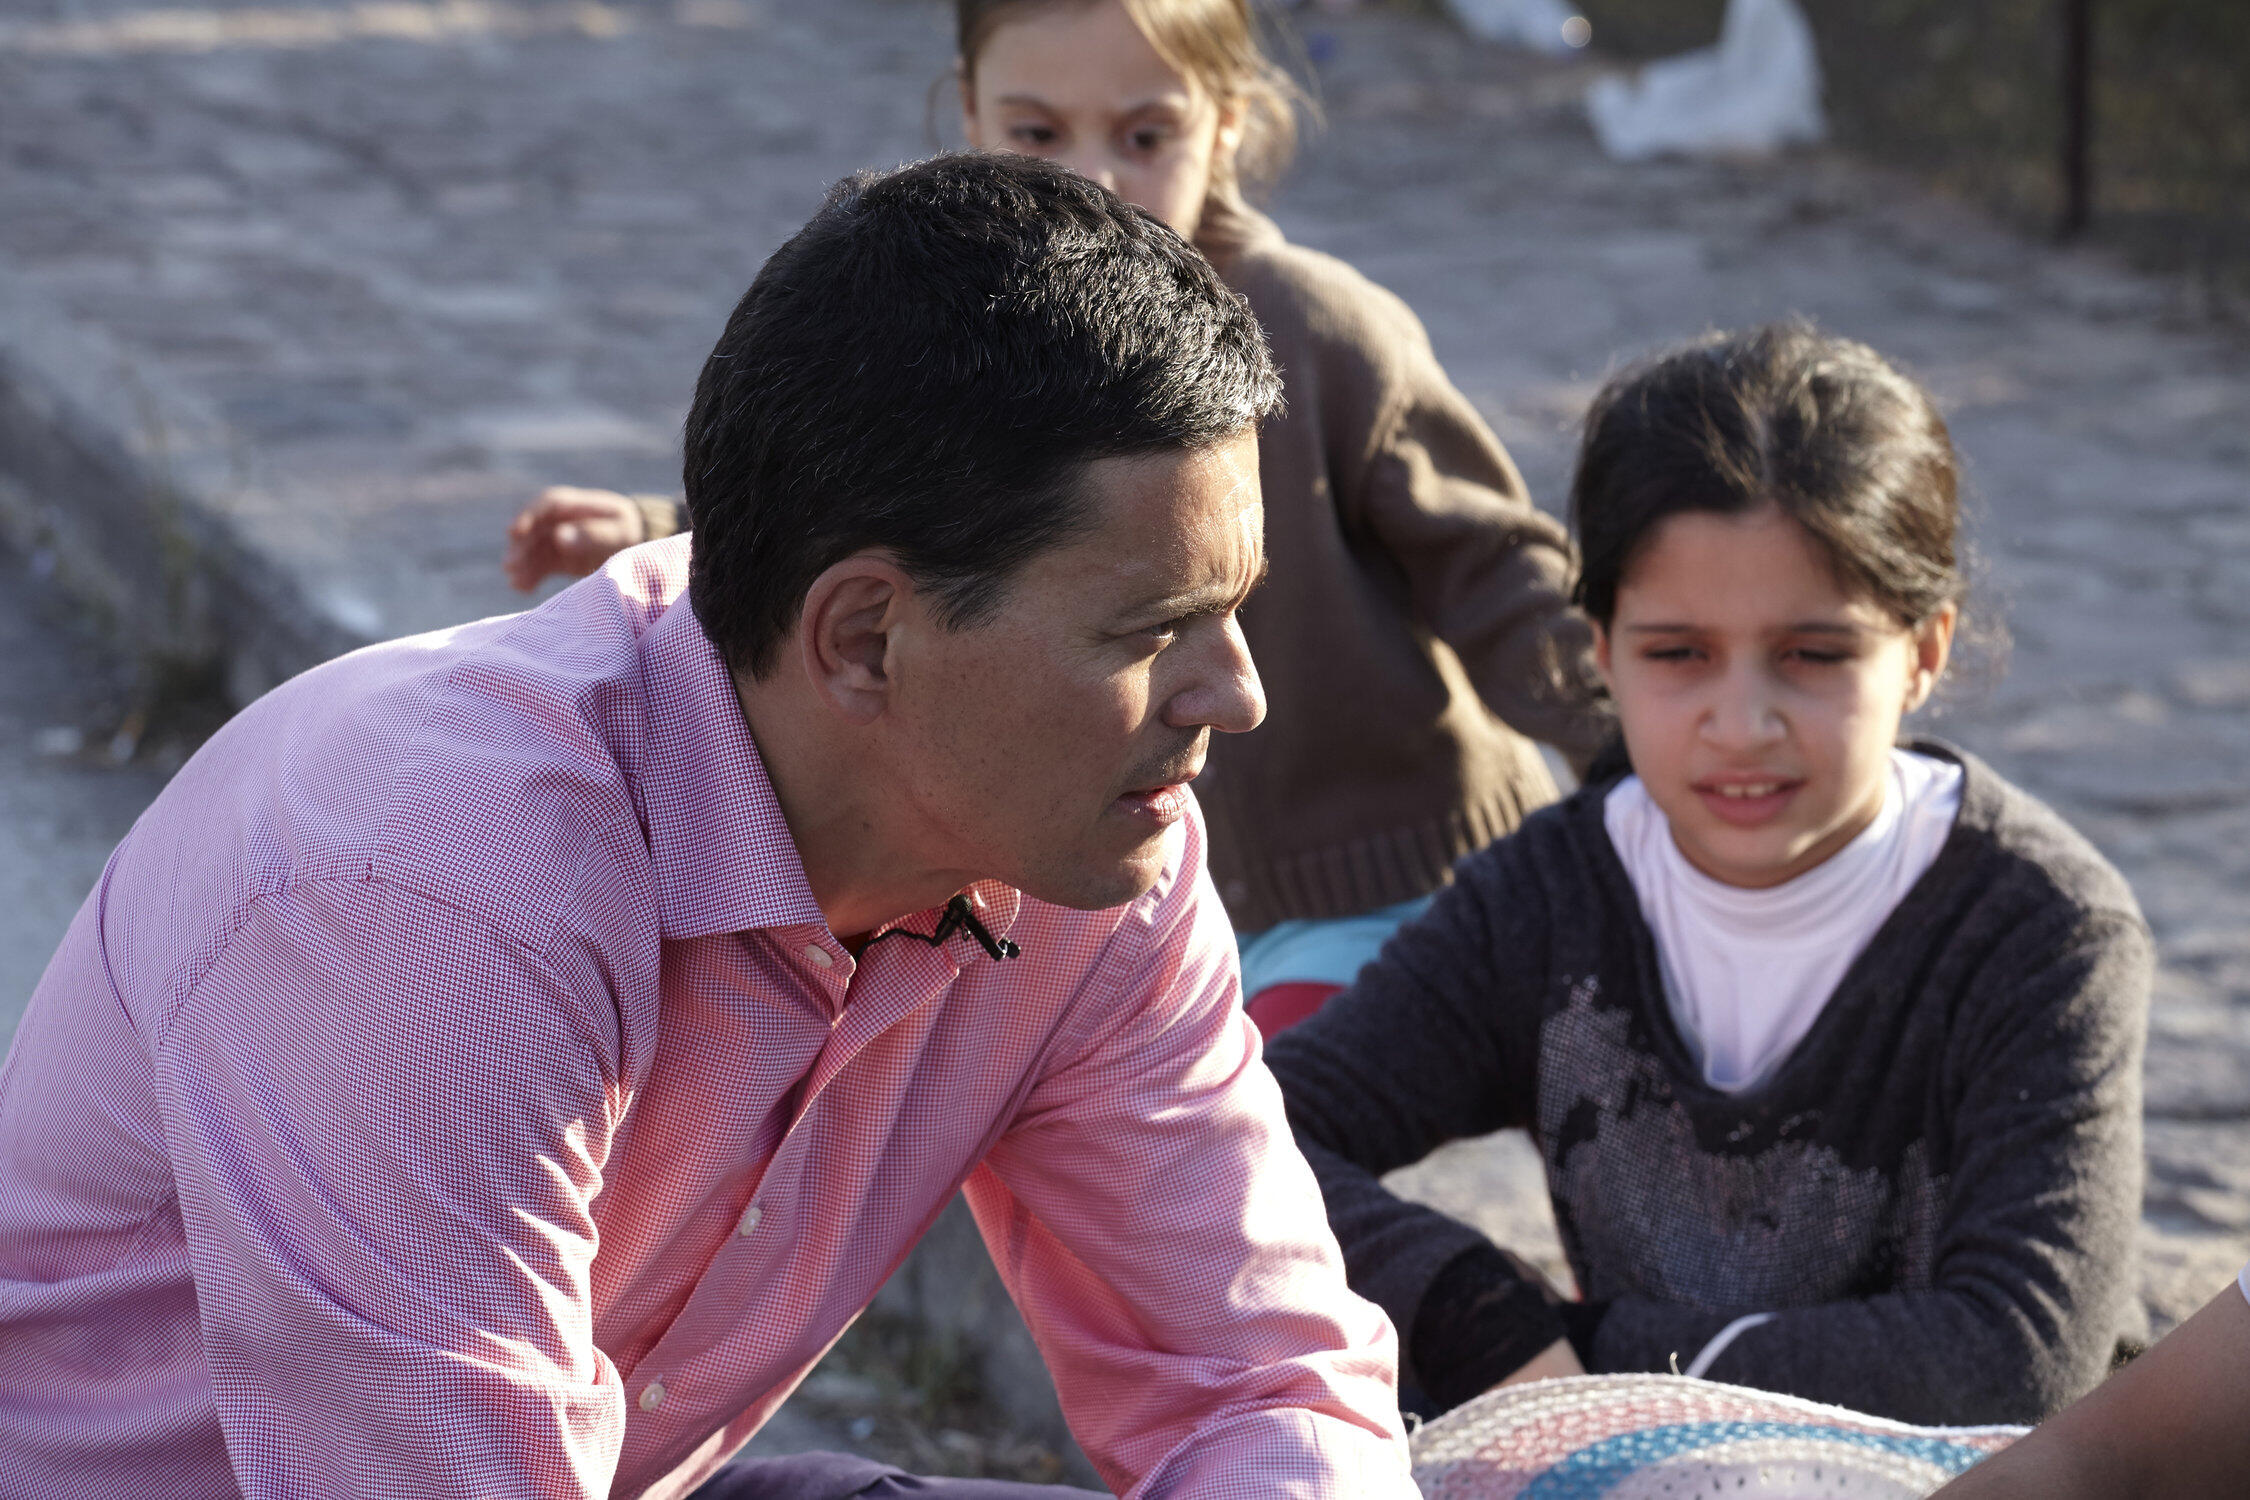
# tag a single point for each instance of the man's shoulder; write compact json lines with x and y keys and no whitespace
{"x":481,"y":766}
{"x":519,"y":776}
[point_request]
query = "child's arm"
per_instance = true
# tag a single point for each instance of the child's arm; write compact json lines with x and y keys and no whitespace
{"x":2033,"y":1265}
{"x":2176,"y":1423}
{"x":1435,"y":1041}
{"x":1488,"y":572}
{"x":574,"y":531}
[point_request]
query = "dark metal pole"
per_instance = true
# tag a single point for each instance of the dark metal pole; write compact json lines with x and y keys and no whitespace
{"x":2078,"y":110}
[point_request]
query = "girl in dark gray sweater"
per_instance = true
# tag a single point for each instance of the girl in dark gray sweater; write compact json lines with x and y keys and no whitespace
{"x":1831,"y":1046}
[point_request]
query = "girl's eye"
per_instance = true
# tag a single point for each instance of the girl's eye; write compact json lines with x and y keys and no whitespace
{"x":1820,"y":658}
{"x":1670,"y":653}
{"x":1032,"y":135}
{"x":1148,"y":138}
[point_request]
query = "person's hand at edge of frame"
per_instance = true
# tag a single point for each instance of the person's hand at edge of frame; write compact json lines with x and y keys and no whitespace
{"x":574,"y":531}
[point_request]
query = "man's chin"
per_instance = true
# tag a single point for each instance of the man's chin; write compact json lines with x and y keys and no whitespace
{"x":1098,"y":887}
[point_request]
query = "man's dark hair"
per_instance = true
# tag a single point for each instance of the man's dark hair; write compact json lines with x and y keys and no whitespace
{"x":928,"y":366}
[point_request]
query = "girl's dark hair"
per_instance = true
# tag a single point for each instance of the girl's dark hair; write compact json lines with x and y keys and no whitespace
{"x":1214,"y":43}
{"x":1821,"y":428}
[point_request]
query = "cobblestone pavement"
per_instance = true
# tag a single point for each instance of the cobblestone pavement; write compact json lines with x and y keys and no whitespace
{"x":76,"y":767}
{"x":414,"y":259}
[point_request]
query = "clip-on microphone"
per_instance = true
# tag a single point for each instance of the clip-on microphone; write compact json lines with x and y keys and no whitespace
{"x":959,"y":917}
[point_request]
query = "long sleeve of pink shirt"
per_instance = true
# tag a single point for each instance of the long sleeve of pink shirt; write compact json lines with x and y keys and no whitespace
{"x":1147,"y":1210}
{"x":388,"y":1125}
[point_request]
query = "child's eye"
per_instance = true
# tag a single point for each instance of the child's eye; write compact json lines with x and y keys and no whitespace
{"x":1670,"y":653}
{"x":1820,"y":658}
{"x":1032,"y":135}
{"x":1148,"y":138}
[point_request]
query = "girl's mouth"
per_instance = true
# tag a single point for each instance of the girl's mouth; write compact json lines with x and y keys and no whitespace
{"x":1746,"y":802}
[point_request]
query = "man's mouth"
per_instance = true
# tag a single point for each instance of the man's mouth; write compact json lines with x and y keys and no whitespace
{"x":1161,"y":804}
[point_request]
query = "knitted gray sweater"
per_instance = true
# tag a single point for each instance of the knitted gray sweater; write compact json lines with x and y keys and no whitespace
{"x":1937,"y":1191}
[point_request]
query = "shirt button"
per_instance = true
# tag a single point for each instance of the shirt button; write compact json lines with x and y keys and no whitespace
{"x":652,"y":1395}
{"x":819,"y":955}
{"x":750,"y":1218}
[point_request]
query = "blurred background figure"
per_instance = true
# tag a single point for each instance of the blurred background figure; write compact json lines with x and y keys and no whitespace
{"x":1413,"y":634}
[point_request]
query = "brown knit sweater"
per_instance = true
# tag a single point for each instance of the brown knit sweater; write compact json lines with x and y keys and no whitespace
{"x":1413,"y":633}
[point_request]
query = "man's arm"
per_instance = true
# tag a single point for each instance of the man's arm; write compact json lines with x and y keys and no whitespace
{"x":2174,"y":1423}
{"x":1167,"y":1246}
{"x":386,"y":1125}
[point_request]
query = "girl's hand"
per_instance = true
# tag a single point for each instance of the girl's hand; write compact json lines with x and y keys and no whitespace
{"x":1554,"y":1362}
{"x":570,"y":530}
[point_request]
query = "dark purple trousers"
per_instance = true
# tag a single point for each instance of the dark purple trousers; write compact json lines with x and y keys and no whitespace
{"x":840,"y":1476}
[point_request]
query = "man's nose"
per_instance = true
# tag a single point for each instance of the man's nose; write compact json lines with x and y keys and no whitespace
{"x":1226,"y":695}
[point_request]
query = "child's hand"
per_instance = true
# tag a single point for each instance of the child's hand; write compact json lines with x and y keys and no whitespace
{"x":1557,"y":1361}
{"x":570,"y":530}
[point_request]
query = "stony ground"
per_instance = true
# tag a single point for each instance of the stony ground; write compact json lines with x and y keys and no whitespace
{"x":77,"y":765}
{"x":419,"y":258}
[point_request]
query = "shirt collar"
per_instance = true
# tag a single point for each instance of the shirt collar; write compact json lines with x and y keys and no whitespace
{"x":724,"y":857}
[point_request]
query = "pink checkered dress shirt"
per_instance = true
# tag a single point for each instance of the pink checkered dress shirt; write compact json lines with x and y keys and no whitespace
{"x":451,"y":1089}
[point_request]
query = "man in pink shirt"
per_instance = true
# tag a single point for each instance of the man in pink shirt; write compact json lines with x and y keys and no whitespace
{"x":503,"y":1061}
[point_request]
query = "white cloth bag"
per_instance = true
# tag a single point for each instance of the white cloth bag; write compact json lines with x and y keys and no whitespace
{"x":1754,"y":93}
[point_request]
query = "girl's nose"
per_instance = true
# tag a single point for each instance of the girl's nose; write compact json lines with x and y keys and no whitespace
{"x":1092,"y":166}
{"x":1745,"y":714}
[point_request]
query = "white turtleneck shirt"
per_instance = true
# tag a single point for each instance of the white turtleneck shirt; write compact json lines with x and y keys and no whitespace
{"x":1748,"y":972}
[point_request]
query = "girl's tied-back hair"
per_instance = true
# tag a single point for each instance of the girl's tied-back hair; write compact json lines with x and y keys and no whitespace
{"x":1823,"y":429}
{"x":1212,"y":43}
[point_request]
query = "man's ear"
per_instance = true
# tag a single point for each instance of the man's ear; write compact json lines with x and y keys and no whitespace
{"x":847,"y":633}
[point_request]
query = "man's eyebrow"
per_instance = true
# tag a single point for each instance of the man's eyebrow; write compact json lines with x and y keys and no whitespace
{"x":1216,"y":598}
